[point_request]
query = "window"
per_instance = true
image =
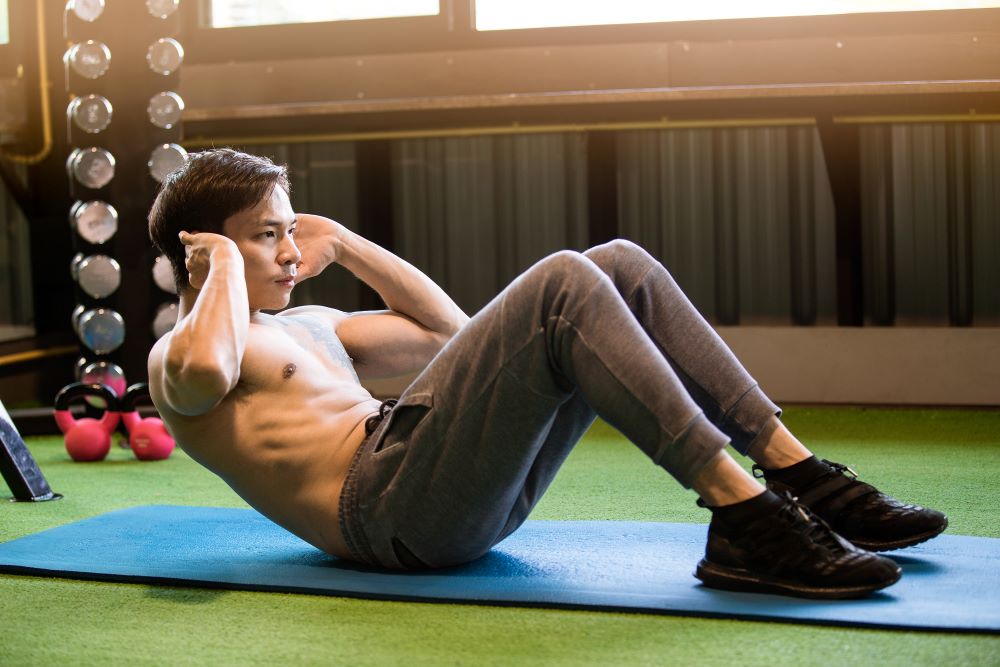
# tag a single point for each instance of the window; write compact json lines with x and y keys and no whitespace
{"x":513,"y":14}
{"x":238,"y":13}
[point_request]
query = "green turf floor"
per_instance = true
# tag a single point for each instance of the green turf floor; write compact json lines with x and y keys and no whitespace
{"x":949,"y":459}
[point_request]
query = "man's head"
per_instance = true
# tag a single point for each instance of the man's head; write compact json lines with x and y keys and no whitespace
{"x":211,"y":187}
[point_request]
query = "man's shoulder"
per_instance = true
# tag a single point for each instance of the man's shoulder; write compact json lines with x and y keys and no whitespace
{"x":320,"y":311}
{"x":155,"y":372}
{"x":154,"y":361}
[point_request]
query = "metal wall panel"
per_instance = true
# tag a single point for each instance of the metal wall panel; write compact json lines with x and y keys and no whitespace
{"x":475,"y":212}
{"x":920,"y":213}
{"x":877,"y":229}
{"x":743,"y":218}
{"x":985,"y":200}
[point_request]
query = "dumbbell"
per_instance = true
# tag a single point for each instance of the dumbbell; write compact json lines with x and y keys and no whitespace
{"x":90,"y":113}
{"x":102,"y":330}
{"x":92,"y":167}
{"x":165,"y":56}
{"x":107,"y":373}
{"x":147,"y":437}
{"x":89,"y":59}
{"x":95,"y":221}
{"x":165,"y":109}
{"x":98,"y":275}
{"x":164,"y":159}
{"x":86,"y":439}
{"x":161,"y":9}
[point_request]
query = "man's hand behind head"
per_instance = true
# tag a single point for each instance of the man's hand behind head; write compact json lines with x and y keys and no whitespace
{"x":318,"y":240}
{"x":201,"y":249}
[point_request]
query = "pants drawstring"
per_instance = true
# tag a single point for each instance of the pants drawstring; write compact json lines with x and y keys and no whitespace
{"x":372,"y":422}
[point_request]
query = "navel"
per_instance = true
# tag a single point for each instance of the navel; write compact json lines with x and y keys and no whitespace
{"x":288,"y":371}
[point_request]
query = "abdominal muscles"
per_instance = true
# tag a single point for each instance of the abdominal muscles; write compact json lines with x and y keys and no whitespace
{"x":289,"y":448}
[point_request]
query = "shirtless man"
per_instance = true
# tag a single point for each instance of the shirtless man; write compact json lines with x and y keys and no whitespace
{"x":273,"y":403}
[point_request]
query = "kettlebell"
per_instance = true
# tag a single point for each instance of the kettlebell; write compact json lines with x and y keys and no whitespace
{"x":147,"y":437}
{"x":86,"y":439}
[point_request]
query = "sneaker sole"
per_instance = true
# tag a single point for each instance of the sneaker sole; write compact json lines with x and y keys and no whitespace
{"x":738,"y":579}
{"x":897,"y":544}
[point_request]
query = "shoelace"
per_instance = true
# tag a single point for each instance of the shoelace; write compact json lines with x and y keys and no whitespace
{"x":864,"y":497}
{"x":816,"y":530}
{"x":870,"y":503}
{"x":841,"y":468}
{"x":760,"y":473}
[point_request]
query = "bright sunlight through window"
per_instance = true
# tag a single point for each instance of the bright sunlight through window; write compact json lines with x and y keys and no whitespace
{"x":511,"y":14}
{"x":4,"y":29}
{"x":234,"y":13}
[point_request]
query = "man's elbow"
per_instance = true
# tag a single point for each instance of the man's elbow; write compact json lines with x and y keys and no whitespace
{"x":194,"y":389}
{"x":442,"y":338}
{"x":459,"y":323}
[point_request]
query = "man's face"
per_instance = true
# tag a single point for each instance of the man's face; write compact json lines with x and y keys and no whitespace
{"x":263,"y":235}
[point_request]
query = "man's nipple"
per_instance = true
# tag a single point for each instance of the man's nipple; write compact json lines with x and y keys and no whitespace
{"x":288,"y":371}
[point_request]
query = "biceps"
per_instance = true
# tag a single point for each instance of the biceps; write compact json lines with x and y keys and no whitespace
{"x":390,"y":344}
{"x":187,"y":388}
{"x":195,"y":391}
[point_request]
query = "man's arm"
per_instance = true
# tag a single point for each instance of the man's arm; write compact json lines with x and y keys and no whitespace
{"x":201,"y":356}
{"x":383,"y":339}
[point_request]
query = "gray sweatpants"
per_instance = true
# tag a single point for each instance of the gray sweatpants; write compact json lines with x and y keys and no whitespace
{"x":473,"y":443}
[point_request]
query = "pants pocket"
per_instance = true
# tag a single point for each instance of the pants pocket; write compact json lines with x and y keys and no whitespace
{"x":403,"y":421}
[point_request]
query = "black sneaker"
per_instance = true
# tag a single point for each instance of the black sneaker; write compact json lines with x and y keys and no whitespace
{"x":790,"y":552}
{"x":858,"y":511}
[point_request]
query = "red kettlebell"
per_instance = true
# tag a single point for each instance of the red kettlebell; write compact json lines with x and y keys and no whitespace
{"x":86,"y":439}
{"x":147,"y":437}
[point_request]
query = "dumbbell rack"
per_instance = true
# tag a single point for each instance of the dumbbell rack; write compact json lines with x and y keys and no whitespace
{"x":123,"y":127}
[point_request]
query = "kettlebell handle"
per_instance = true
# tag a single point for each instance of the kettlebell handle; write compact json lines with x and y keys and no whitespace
{"x":132,"y":395}
{"x":75,"y":390}
{"x":129,"y":404}
{"x":148,"y":437}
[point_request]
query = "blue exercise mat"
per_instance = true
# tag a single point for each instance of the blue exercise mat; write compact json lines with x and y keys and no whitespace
{"x":950,"y":583}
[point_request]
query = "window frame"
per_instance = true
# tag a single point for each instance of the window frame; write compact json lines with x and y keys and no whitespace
{"x":453,"y":29}
{"x":205,"y":18}
{"x":790,"y":26}
{"x":203,"y":44}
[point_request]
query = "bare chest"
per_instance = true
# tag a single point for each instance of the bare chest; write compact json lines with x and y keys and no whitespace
{"x":289,"y":349}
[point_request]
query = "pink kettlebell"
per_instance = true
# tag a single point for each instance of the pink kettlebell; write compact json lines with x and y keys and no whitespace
{"x":148,"y":437}
{"x":86,"y":439}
